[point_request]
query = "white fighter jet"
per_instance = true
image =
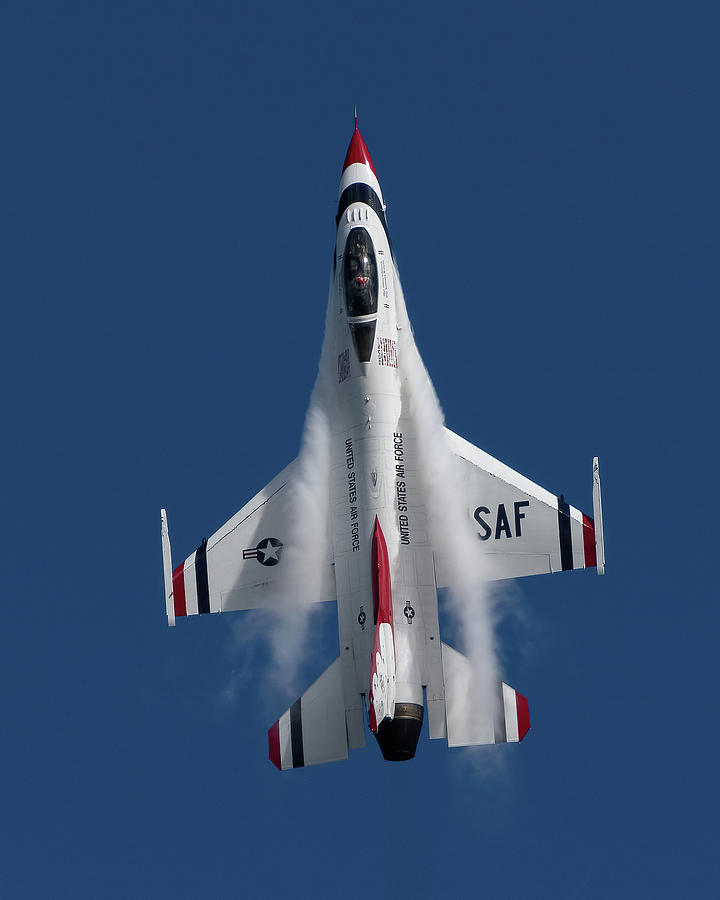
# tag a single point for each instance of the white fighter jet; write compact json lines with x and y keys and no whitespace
{"x":383,"y":561}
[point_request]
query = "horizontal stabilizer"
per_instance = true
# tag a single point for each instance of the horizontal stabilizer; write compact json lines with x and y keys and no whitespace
{"x":506,"y":719}
{"x":313,"y":730}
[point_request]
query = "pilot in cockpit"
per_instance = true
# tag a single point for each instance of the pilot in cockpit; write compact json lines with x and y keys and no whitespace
{"x":360,"y":274}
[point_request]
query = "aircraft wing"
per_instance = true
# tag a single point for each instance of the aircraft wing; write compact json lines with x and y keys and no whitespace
{"x":523,"y":529}
{"x":235,"y":568}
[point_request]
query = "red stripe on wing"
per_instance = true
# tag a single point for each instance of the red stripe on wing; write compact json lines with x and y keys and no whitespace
{"x":589,"y":541}
{"x":179,"y":590}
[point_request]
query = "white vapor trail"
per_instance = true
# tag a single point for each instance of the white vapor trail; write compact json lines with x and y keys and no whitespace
{"x":305,"y":560}
{"x":469,"y":594}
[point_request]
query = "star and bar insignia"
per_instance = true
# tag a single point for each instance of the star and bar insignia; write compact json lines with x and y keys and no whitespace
{"x":267,"y":552}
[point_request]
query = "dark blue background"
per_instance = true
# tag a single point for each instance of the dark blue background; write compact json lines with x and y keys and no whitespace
{"x":169,"y":186}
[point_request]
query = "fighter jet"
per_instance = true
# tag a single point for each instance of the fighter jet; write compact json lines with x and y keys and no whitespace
{"x":381,"y":565}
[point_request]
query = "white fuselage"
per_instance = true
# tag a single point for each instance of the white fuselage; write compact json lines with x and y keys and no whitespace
{"x":374,"y":473}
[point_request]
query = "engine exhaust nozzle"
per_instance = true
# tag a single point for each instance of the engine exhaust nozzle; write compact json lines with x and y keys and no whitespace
{"x":398,"y":737}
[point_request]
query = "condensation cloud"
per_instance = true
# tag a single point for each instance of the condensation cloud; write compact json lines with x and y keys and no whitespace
{"x":300,"y":579}
{"x":469,"y":594}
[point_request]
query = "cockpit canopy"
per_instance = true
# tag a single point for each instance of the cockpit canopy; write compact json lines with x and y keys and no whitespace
{"x":361,"y":290}
{"x":360,"y":274}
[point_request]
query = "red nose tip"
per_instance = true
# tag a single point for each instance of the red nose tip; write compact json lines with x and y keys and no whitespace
{"x":358,"y":152}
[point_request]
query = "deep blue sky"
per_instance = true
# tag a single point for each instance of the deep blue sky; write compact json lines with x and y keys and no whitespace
{"x":170,"y":175}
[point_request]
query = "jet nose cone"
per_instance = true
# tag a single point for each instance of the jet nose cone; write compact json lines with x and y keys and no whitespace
{"x":358,"y":152}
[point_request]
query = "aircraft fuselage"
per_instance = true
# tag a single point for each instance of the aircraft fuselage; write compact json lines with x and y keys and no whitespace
{"x":374,"y":468}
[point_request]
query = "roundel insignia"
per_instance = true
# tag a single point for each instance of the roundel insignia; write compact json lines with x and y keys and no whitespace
{"x":267,"y":552}
{"x":409,"y":613}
